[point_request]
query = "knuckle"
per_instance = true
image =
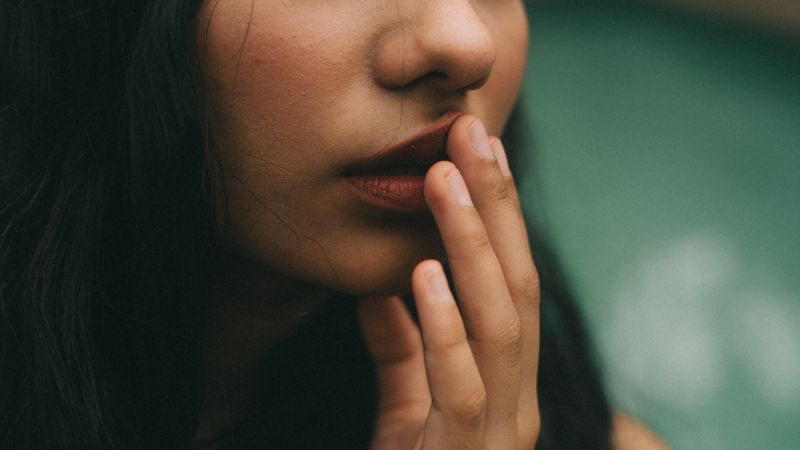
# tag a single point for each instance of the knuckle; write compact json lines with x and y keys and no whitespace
{"x":504,"y":339}
{"x":525,"y":284}
{"x":404,"y":411}
{"x":452,"y":344}
{"x":472,"y":409}
{"x":509,"y":338}
{"x":496,"y":185}
{"x":479,"y":239}
{"x":453,"y":341}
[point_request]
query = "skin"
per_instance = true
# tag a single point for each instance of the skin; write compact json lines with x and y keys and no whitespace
{"x":297,"y":91}
{"x":479,"y":357}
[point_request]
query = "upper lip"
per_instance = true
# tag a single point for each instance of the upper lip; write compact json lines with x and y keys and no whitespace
{"x":422,"y":149}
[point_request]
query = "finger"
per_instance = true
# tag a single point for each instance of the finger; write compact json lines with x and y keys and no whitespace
{"x":484,"y":166}
{"x":526,"y":295}
{"x":458,"y":396}
{"x":491,"y":319}
{"x":482,"y":162}
{"x":395,"y":345}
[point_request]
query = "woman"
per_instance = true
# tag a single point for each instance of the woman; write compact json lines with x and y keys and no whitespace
{"x":211,"y":210}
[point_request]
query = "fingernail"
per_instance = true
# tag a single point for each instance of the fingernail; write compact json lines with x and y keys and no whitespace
{"x":458,"y":188}
{"x":438,"y":283}
{"x":500,"y":154}
{"x":480,"y":141}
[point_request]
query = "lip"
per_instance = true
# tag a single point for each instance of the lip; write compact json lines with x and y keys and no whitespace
{"x":422,"y":149}
{"x":401,"y":193}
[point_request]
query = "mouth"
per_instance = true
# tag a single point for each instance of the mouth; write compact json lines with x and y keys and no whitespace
{"x":393,"y":179}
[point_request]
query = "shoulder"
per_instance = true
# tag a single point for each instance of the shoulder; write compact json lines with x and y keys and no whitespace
{"x":630,"y":434}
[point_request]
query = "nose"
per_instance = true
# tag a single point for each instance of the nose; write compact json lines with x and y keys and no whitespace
{"x":444,"y":41}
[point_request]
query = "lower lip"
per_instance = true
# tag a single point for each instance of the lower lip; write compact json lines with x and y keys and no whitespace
{"x":402,"y":194}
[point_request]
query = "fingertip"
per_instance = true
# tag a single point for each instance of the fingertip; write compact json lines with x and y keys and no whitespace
{"x":419,"y":275}
{"x":462,"y":124}
{"x":439,"y":171}
{"x":430,"y":283}
{"x":427,"y":266}
{"x":435,"y":186}
{"x":444,"y":182}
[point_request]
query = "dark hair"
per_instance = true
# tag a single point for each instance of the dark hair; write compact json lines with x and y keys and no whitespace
{"x":107,"y":219}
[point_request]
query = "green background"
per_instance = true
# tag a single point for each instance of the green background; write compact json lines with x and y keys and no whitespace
{"x":666,"y":171}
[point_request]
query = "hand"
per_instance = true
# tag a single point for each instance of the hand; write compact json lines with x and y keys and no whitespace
{"x":466,"y":377}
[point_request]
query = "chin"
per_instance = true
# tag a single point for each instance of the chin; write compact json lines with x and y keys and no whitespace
{"x":378,"y":281}
{"x":372,"y":265}
{"x":380,"y":273}
{"x":360,"y":259}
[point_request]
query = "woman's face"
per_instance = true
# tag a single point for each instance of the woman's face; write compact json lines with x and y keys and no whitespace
{"x":300,"y":90}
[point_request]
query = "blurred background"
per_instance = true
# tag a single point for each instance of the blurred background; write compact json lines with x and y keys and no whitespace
{"x":666,"y":171}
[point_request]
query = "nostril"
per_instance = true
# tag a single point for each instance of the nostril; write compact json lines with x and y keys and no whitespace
{"x":477,"y":84}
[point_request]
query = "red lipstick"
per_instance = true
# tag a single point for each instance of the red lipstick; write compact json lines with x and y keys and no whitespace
{"x":393,"y":179}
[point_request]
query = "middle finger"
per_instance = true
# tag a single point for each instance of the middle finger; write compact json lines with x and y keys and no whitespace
{"x":490,"y":318}
{"x":488,"y":178}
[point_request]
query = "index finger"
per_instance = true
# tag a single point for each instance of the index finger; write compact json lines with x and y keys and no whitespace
{"x":494,"y":194}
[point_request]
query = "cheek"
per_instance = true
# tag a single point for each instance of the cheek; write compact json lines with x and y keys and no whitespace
{"x":266,"y":70}
{"x":496,"y":99}
{"x":270,"y":88}
{"x":515,"y":49}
